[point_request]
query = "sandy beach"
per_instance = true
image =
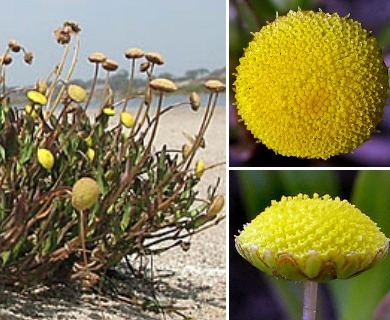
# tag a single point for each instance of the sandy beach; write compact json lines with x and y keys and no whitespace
{"x":195,"y":279}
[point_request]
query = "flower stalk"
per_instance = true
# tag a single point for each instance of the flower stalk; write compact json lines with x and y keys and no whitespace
{"x":309,"y":300}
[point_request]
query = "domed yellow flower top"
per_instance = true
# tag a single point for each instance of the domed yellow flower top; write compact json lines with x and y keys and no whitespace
{"x":317,"y":239}
{"x":311,"y":85}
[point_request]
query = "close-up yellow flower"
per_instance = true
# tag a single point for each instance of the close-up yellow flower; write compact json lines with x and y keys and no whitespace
{"x":45,"y":158}
{"x":311,"y":85}
{"x":317,"y":239}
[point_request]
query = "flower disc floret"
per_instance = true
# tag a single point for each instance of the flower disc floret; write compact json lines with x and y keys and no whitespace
{"x":312,"y":85}
{"x":317,"y":239}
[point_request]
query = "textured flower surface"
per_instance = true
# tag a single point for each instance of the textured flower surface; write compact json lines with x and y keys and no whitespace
{"x":318,"y":239}
{"x":85,"y":193}
{"x":311,"y":85}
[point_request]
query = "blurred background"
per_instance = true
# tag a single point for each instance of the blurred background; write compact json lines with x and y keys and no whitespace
{"x":247,"y":16}
{"x":254,"y":295}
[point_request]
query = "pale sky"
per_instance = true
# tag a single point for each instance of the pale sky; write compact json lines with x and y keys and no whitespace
{"x":190,"y":34}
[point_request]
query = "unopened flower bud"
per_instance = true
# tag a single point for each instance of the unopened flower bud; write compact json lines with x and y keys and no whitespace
{"x":194,"y":101}
{"x":41,"y":86}
{"x":199,"y":168}
{"x":91,"y":154}
{"x":216,"y":206}
{"x":148,"y":96}
{"x":186,"y":149}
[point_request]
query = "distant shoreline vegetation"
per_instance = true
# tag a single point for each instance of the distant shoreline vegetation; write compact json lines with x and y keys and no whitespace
{"x":192,"y":80}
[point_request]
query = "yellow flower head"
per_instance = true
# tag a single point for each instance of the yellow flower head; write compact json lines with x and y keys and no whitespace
{"x":36,"y":97}
{"x":108,"y":111}
{"x":317,"y":239}
{"x":127,"y":119}
{"x":91,"y":154}
{"x":311,"y":85}
{"x":45,"y":158}
{"x":85,"y":193}
{"x":77,"y":93}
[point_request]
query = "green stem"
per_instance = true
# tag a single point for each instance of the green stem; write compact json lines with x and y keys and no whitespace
{"x":82,"y":237}
{"x":309,"y":300}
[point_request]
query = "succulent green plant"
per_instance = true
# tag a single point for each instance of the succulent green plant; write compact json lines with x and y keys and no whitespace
{"x":138,"y":198}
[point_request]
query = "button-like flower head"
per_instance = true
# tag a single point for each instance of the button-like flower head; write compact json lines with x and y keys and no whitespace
{"x":312,"y":85}
{"x":316,"y":239}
